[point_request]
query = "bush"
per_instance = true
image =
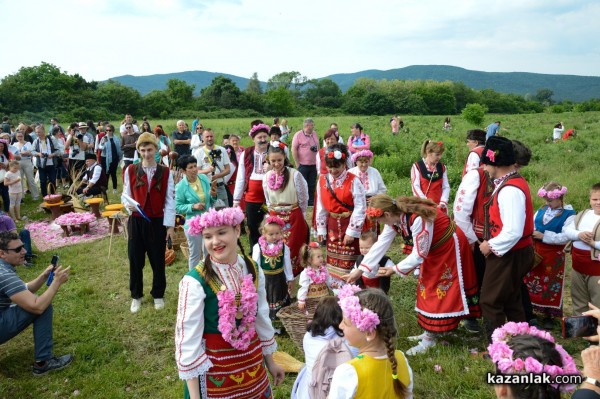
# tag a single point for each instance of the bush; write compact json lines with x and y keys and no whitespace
{"x":474,"y":113}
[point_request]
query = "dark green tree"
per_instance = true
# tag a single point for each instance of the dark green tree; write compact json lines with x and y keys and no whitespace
{"x":118,"y":98}
{"x":254,"y":86}
{"x":180,"y":93}
{"x":222,"y":93}
{"x":157,"y":103}
{"x":279,"y":102}
{"x":323,"y":93}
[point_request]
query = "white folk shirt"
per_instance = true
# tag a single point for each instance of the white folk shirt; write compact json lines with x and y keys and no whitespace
{"x":375,"y":182}
{"x":295,"y":192}
{"x":550,"y":237}
{"x":169,"y":213}
{"x":287,"y":262}
{"x":95,"y":176}
{"x":189,"y":349}
{"x":464,"y":204}
{"x":305,"y":281}
{"x":473,"y":161}
{"x":511,"y":201}
{"x":587,"y":223}
{"x":258,"y":173}
{"x":415,"y":179}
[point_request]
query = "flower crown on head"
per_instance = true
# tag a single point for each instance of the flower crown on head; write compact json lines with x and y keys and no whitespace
{"x":337,"y":154}
{"x":4,"y":141}
{"x":275,"y":220}
{"x":361,"y":153}
{"x":502,"y":355}
{"x":554,"y":194}
{"x":363,"y":318}
{"x":374,"y":212}
{"x":256,"y":128}
{"x":214,"y":218}
{"x":277,"y":144}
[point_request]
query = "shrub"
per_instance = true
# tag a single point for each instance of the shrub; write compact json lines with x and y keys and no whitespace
{"x":474,"y":113}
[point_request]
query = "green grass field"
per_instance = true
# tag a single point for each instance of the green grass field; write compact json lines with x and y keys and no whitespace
{"x":120,"y":355}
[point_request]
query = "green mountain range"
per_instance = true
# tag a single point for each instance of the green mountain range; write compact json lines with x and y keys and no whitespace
{"x":565,"y":87}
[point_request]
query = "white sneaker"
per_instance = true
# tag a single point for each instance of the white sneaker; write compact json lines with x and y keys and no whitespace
{"x":417,"y":272}
{"x":423,"y":346}
{"x":135,"y":305}
{"x":159,"y":303}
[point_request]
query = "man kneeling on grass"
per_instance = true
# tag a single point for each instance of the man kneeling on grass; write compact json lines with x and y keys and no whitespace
{"x":20,"y":307}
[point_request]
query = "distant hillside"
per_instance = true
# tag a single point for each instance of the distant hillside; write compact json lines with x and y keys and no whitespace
{"x":565,"y":87}
{"x":145,"y":84}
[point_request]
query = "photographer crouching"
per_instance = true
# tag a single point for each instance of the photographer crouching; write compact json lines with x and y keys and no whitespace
{"x":213,"y":161}
{"x":94,"y":179}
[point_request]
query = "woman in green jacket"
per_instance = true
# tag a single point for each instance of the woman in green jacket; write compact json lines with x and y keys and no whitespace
{"x":194,"y":195}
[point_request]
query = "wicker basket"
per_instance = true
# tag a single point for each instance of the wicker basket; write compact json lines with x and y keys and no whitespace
{"x":295,"y":321}
{"x":185,"y":249}
{"x":179,"y":237}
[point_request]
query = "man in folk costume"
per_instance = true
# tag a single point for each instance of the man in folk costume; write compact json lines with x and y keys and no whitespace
{"x":475,"y":143}
{"x":151,"y":186}
{"x":249,"y":181}
{"x":508,"y":229}
{"x":94,"y":179}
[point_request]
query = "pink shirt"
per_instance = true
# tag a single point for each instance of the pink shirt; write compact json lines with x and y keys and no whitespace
{"x":364,"y":138}
{"x":301,"y":148}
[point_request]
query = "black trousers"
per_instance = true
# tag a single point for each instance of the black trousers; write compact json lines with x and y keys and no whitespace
{"x":255,"y":214}
{"x":146,"y":238}
{"x":94,"y":190}
{"x":309,"y":172}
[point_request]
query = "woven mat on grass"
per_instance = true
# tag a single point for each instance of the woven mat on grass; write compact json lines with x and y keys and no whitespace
{"x":47,"y":235}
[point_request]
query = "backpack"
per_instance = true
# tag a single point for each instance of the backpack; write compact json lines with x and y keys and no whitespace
{"x":332,"y":355}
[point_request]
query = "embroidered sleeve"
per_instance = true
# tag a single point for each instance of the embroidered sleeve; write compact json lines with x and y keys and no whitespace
{"x":344,"y":382}
{"x":422,"y":239}
{"x":169,"y":215}
{"x":473,"y":161}
{"x":553,"y":238}
{"x":464,"y":203}
{"x":445,"y":187}
{"x":377,"y":182}
{"x":370,"y":263}
{"x":287,"y":263}
{"x":322,"y":213}
{"x":240,"y":179}
{"x":511,"y":201}
{"x":357,"y":219}
{"x":570,"y":231}
{"x":304,"y":282}
{"x":190,"y":356}
{"x":415,"y":180}
{"x":256,"y":254}
{"x":266,"y":189}
{"x":301,"y":190}
{"x":263,"y":325}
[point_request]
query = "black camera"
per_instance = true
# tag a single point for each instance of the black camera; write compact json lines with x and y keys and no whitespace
{"x":314,"y":148}
{"x":215,"y":154}
{"x":79,"y":136}
{"x":74,"y":152}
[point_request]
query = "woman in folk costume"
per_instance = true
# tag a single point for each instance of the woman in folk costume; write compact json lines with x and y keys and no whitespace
{"x":340,"y":211}
{"x":545,"y":281}
{"x":224,"y":337}
{"x":370,"y":178}
{"x":428,"y":175}
{"x":286,"y":195}
{"x":447,"y":285}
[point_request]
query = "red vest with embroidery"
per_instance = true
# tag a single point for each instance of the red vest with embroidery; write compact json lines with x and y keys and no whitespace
{"x":493,"y":225}
{"x":151,"y":201}
{"x":484,"y":193}
{"x":344,"y":194}
{"x":477,"y":150}
{"x":323,"y":167}
{"x":431,"y":182}
{"x":248,"y":165}
{"x":439,"y":233}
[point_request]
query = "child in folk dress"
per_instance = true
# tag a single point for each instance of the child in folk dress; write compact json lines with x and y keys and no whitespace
{"x":315,"y":280}
{"x":273,"y":257}
{"x":12,"y":179}
{"x":379,"y":370}
{"x":367,"y":239}
{"x":428,"y":176}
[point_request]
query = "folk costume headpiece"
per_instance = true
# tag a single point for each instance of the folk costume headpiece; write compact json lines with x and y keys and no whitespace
{"x":146,"y":138}
{"x":362,"y":154}
{"x":214,"y":218}
{"x":261,"y":127}
{"x":364,"y":319}
{"x":498,"y":151}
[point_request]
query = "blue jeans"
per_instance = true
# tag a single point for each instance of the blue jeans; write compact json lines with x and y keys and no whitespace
{"x":15,"y":319}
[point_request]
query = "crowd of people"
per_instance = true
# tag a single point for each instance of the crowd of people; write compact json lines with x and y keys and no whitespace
{"x":493,"y":258}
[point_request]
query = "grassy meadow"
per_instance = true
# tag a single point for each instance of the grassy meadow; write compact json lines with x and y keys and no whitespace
{"x":120,"y":355}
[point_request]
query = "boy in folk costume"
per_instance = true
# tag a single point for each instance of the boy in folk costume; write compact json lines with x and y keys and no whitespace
{"x":340,"y":211}
{"x":584,"y":230}
{"x":475,"y":143}
{"x":151,"y":186}
{"x":508,"y":245}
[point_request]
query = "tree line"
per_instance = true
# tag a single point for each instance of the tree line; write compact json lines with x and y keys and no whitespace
{"x":44,"y":90}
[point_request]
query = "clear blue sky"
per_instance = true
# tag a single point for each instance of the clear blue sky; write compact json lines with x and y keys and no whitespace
{"x":99,"y":39}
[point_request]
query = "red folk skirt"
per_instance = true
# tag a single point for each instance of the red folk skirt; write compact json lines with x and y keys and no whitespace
{"x":234,"y":374}
{"x":545,"y":282}
{"x":447,"y":285}
{"x":340,"y":257}
{"x":295,"y":233}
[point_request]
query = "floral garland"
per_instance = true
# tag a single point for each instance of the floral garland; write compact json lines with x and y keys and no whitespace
{"x":74,"y":218}
{"x":554,"y":194}
{"x":374,"y":212}
{"x":361,"y":154}
{"x":241,"y":336}
{"x":317,"y":278}
{"x":275,"y":181}
{"x":502,"y":355}
{"x":364,"y":319}
{"x":214,"y":218}
{"x":261,"y":127}
{"x":337,"y":154}
{"x":275,"y":250}
{"x":275,"y":220}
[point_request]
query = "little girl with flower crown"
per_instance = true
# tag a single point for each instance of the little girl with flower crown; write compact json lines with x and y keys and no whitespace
{"x":273,"y":257}
{"x":224,"y":337}
{"x":545,"y":282}
{"x":379,"y":370}
{"x":315,"y":281}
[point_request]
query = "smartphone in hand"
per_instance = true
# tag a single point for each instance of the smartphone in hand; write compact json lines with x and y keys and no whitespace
{"x":579,"y":326}
{"x":54,"y":263}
